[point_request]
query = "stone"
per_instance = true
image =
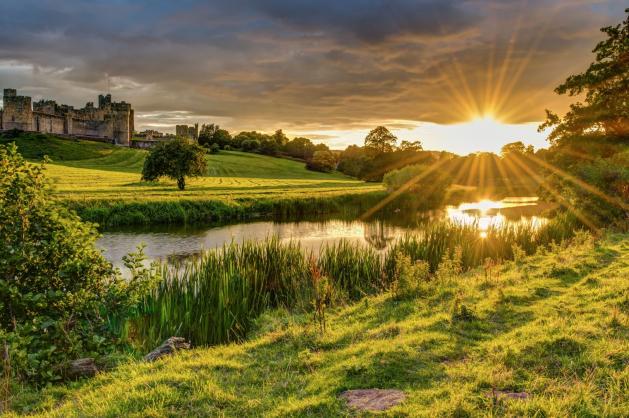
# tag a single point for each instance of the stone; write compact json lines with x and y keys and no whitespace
{"x":84,"y":367}
{"x":373,"y":399}
{"x":507,"y":394}
{"x":170,"y":346}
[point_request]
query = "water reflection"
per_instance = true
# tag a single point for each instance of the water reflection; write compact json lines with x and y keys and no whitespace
{"x":495,"y":213}
{"x":175,"y":243}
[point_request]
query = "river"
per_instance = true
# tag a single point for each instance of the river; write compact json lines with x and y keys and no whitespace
{"x":168,"y":243}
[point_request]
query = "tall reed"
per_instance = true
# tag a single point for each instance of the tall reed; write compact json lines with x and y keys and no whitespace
{"x":214,"y":298}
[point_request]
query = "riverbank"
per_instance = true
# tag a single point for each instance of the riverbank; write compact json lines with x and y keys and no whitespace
{"x":102,"y":183}
{"x":110,"y":213}
{"x":552,"y":328}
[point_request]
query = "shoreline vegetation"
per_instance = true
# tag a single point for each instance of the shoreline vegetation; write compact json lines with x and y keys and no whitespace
{"x":457,"y":345}
{"x":101,"y":183}
{"x":240,"y":281}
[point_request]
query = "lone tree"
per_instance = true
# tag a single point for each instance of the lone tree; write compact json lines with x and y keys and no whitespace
{"x":380,"y":140}
{"x":175,"y":159}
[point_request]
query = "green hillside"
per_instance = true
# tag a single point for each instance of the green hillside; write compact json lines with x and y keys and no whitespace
{"x":554,"y":327}
{"x":89,"y":170}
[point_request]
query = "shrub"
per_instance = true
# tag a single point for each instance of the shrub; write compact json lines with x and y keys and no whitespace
{"x":214,"y":148}
{"x":409,"y":276}
{"x":250,"y":145}
{"x":58,"y":296}
{"x":322,"y":161}
{"x":461,"y":312}
{"x":418,"y":186}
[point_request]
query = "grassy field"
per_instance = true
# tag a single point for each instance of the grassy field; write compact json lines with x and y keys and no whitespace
{"x":554,"y":326}
{"x":102,"y":182}
{"x":84,"y":170}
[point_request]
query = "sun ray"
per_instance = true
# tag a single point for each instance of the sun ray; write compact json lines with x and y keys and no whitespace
{"x":393,"y":195}
{"x":578,"y":182}
{"x":562,"y":200}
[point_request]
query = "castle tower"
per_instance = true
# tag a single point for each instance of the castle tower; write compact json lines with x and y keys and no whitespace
{"x":123,"y":124}
{"x":17,"y":112}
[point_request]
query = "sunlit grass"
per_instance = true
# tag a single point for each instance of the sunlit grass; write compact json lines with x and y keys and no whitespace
{"x":553,"y":325}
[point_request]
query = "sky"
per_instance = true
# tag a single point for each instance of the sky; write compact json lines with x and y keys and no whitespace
{"x":463,"y":76}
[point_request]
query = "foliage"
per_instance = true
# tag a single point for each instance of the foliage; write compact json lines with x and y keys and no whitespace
{"x":606,"y":87}
{"x":418,"y":186}
{"x":408,"y":276}
{"x":380,"y":140}
{"x":213,"y":134}
{"x":58,"y":295}
{"x":250,"y":145}
{"x":324,"y":161}
{"x":590,"y":143}
{"x":411,"y":146}
{"x":517,"y":148}
{"x":175,"y":159}
{"x":353,"y":160}
{"x":322,"y":295}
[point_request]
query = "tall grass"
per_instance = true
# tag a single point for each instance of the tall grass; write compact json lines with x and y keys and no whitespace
{"x":151,"y":212}
{"x":215,"y":298}
{"x":441,"y":239}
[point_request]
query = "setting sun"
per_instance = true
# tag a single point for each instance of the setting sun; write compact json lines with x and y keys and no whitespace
{"x":298,"y":208}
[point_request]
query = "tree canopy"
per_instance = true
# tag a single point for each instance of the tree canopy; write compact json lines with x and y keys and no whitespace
{"x":589,"y":144}
{"x":322,"y":161}
{"x":177,"y":160}
{"x":605,"y":83}
{"x":380,"y":140}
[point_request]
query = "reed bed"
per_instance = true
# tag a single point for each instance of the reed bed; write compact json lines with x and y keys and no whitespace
{"x":215,"y":298}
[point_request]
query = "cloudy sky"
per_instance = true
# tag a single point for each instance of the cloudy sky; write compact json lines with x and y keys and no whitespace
{"x":459,"y":75}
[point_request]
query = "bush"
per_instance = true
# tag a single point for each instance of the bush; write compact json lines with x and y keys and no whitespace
{"x":322,"y":161}
{"x":214,"y":148}
{"x":409,"y":276}
{"x":418,"y":186}
{"x":60,"y":300}
{"x":250,"y":145}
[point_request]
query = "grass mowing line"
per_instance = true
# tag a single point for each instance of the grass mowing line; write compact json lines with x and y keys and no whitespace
{"x":540,"y":326}
{"x":94,"y":177}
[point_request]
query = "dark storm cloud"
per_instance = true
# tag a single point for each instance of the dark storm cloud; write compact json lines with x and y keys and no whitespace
{"x":302,"y":65}
{"x":370,"y":20}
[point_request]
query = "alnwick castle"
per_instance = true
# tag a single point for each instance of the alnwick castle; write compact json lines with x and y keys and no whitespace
{"x":110,"y":121}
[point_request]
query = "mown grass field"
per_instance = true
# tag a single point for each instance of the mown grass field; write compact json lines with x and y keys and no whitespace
{"x":102,"y":183}
{"x":554,"y":326}
{"x":84,"y":170}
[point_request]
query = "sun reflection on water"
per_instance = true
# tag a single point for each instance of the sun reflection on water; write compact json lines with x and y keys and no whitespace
{"x":486,"y":214}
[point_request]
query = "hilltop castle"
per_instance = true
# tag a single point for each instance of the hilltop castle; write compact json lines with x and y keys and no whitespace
{"x":111,"y":121}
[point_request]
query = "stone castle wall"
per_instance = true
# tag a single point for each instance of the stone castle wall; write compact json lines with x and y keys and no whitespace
{"x":113,"y":121}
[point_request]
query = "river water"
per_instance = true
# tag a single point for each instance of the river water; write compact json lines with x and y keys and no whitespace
{"x":176,"y":243}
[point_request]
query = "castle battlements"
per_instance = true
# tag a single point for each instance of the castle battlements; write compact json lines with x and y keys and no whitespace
{"x":113,"y":121}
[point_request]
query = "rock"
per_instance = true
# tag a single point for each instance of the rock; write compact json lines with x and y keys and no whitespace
{"x":169,"y":346}
{"x":373,"y":399}
{"x":506,"y":394}
{"x":83,"y":367}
